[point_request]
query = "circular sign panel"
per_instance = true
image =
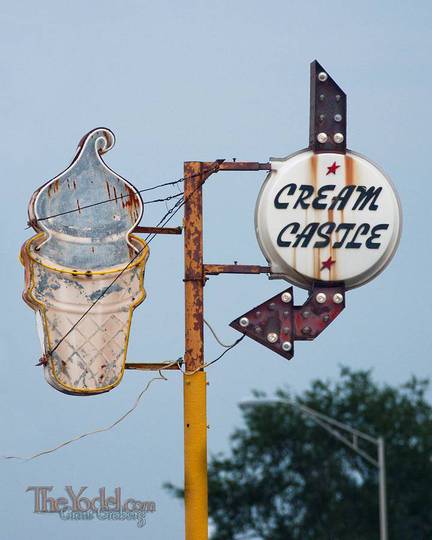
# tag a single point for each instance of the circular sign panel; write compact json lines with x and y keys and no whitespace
{"x":327,"y":217}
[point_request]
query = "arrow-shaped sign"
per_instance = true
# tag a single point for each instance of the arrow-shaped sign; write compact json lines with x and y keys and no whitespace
{"x":277,"y":323}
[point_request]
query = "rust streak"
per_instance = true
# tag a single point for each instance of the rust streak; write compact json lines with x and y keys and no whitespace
{"x":349,"y":170}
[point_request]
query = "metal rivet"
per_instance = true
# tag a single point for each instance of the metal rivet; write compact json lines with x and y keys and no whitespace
{"x":338,"y":138}
{"x":322,"y":138}
{"x":338,"y":298}
{"x":272,"y":337}
{"x":286,"y":297}
{"x":307,"y":330}
{"x":244,"y":321}
{"x":337,"y":97}
{"x":326,"y":317}
{"x":337,"y":118}
{"x":321,"y":117}
{"x":322,"y":76}
{"x":306,"y":314}
{"x":258,"y":329}
{"x":286,"y":329}
{"x":286,"y":313}
{"x":320,"y":298}
{"x":258,"y":313}
{"x":286,"y":346}
{"x":322,"y":97}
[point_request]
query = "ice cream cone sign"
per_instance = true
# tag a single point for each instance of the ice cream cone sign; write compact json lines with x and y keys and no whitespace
{"x":84,"y":270}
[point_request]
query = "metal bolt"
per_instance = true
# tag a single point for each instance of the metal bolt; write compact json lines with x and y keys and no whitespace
{"x":244,"y":321}
{"x":306,"y":314}
{"x":286,"y":346}
{"x":286,"y":297}
{"x":307,"y":330}
{"x":322,"y":76}
{"x":337,"y":118}
{"x":326,"y":317}
{"x":338,"y":298}
{"x":272,"y":337}
{"x":258,"y":329}
{"x":320,"y":298}
{"x":338,"y":138}
{"x":322,"y":138}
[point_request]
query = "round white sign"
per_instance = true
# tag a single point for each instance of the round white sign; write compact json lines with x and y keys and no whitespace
{"x":327,"y":217}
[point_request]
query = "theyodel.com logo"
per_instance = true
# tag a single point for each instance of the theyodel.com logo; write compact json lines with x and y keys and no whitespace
{"x":77,"y":507}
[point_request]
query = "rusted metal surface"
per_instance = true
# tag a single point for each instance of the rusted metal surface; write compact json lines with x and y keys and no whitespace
{"x":327,"y":111}
{"x":195,"y":423}
{"x":148,"y":366}
{"x":240,"y":166}
{"x":158,"y":230}
{"x":277,"y":323}
{"x":272,"y":317}
{"x":216,"y":269}
{"x":313,"y":317}
{"x":194,"y":270}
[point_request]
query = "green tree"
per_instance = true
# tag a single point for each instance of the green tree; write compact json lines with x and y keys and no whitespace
{"x":288,"y":479}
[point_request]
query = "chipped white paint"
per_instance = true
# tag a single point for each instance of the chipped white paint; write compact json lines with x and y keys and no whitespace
{"x":79,"y":257}
{"x":327,"y":217}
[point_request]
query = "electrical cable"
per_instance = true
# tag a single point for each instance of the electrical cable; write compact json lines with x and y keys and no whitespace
{"x":100,"y":430}
{"x":221,"y":343}
{"x":173,"y":183}
{"x":216,"y":359}
{"x":129,"y":411}
{"x":120,"y":197}
{"x":164,"y":220}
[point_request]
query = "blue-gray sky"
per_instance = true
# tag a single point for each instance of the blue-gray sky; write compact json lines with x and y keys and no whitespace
{"x":196,"y":80}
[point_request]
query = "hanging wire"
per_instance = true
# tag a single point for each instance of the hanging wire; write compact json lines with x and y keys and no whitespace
{"x":215,"y":360}
{"x":129,"y":411}
{"x":165,"y":184}
{"x":120,"y":197}
{"x":164,"y":220}
{"x":100,"y":430}
{"x":221,"y":343}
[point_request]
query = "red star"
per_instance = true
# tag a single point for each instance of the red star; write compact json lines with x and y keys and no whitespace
{"x":332,"y":168}
{"x":327,"y":264}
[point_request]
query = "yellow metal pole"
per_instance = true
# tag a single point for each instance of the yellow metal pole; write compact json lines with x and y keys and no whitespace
{"x":195,"y":423}
{"x":195,"y":448}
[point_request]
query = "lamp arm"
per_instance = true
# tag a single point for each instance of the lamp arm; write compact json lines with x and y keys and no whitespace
{"x":340,"y":437}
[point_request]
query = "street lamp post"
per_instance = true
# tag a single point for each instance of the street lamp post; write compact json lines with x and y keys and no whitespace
{"x":329,"y":424}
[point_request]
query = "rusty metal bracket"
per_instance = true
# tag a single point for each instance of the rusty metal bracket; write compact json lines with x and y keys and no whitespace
{"x":238,"y":166}
{"x":158,"y":230}
{"x":277,"y":323}
{"x":328,"y":110}
{"x":216,"y":269}
{"x":148,"y":366}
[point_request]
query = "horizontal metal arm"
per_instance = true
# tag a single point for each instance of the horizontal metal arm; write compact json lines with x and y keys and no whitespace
{"x":334,"y":422}
{"x":341,"y":438}
{"x":148,"y":366}
{"x":216,"y":269}
{"x":158,"y":230}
